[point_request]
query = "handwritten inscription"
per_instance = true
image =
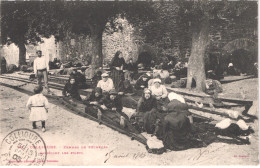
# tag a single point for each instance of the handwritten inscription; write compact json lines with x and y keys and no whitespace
{"x":203,"y":152}
{"x":133,"y":156}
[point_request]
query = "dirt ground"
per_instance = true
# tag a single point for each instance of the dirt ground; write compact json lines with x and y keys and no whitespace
{"x":99,"y":145}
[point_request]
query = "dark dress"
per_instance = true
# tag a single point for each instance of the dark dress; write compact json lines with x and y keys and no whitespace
{"x":93,"y":98}
{"x":116,"y":103}
{"x":80,"y":80}
{"x":145,"y":105}
{"x":97,"y":77}
{"x":126,"y":87}
{"x":114,"y":115}
{"x":132,"y":68}
{"x":141,"y":82}
{"x":72,"y":90}
{"x":176,"y":126}
{"x":117,"y":75}
{"x":147,"y":113}
{"x":93,"y":109}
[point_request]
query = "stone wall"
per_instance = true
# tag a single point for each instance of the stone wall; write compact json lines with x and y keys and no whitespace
{"x":123,"y":41}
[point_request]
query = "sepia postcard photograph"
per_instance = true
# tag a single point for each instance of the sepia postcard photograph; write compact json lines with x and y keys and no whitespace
{"x":129,"y":83}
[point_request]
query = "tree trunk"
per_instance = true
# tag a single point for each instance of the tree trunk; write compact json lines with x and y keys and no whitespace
{"x":22,"y":54}
{"x":196,"y":65}
{"x":96,"y":39}
{"x":0,"y":62}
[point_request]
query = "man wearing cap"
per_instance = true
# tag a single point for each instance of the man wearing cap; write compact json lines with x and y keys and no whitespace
{"x":106,"y":84}
{"x":41,"y":68}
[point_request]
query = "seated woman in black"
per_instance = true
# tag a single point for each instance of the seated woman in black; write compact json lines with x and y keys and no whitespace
{"x":176,"y":124}
{"x":127,"y":90}
{"x":80,"y":79}
{"x":96,"y":97}
{"x":71,"y":89}
{"x":94,"y":103}
{"x":142,"y":82}
{"x":112,"y":101}
{"x":112,"y":108}
{"x":126,"y":87}
{"x":147,"y":111}
{"x":131,"y":70}
{"x":97,"y":77}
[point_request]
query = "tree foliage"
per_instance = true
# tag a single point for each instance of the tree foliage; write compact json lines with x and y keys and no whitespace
{"x":93,"y":18}
{"x":26,"y":22}
{"x":195,"y":21}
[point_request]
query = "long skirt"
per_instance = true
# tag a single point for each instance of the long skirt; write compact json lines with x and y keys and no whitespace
{"x":150,"y":118}
{"x":38,"y":114}
{"x":176,"y":129}
{"x":92,"y":110}
{"x":129,"y":102}
{"x":118,"y":78}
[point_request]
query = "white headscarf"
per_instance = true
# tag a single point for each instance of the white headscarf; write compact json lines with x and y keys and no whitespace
{"x":175,"y":96}
{"x":157,"y":80}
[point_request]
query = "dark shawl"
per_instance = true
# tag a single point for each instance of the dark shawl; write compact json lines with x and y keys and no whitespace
{"x":92,"y":97}
{"x":117,"y":103}
{"x":177,"y":106}
{"x":71,"y":89}
{"x":117,"y":62}
{"x":141,"y":82}
{"x":145,"y":105}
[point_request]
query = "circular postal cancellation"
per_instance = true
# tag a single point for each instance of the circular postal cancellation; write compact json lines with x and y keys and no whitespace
{"x":23,"y":147}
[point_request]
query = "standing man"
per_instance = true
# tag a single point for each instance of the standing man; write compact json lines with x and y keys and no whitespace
{"x":41,"y":68}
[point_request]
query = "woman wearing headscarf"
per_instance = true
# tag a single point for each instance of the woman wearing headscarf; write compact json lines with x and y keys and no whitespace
{"x":112,"y":101}
{"x":116,"y":66}
{"x":112,"y":108}
{"x":131,"y":70}
{"x":142,"y":82}
{"x":71,"y":89}
{"x":96,"y":97}
{"x":158,"y":90}
{"x":176,"y":124}
{"x":147,"y":111}
{"x":94,"y":102}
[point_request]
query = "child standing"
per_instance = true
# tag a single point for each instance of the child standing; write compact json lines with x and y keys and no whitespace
{"x":38,"y":106}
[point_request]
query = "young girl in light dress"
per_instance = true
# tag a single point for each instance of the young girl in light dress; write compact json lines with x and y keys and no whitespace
{"x":38,"y":106}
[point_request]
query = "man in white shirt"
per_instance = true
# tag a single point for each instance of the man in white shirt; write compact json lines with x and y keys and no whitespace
{"x":41,"y":68}
{"x":106,"y":84}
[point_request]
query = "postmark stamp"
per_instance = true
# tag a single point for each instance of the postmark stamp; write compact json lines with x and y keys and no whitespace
{"x":23,"y":147}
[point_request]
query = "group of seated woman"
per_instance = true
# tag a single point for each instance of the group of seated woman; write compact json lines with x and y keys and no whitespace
{"x":157,"y":112}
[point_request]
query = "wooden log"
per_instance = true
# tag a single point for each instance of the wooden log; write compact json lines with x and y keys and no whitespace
{"x":222,"y":112}
{"x":235,"y":78}
{"x":207,"y":115}
{"x":204,"y":95}
{"x":254,"y":109}
{"x":207,"y":101}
